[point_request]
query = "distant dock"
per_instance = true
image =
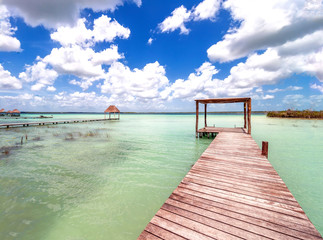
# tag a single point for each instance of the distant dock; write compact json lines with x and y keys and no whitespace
{"x":29,"y":124}
{"x":231,"y":192}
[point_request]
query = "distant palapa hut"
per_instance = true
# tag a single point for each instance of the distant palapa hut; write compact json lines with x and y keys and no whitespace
{"x":112,"y":109}
{"x":15,"y":113}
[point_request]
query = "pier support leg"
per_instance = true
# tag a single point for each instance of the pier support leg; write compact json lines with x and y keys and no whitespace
{"x":264,"y":150}
{"x":205,"y":107}
{"x":245,"y":115}
{"x":197,"y":117}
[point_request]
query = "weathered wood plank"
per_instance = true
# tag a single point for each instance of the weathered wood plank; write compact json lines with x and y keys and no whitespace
{"x":162,"y":233}
{"x":231,"y":192}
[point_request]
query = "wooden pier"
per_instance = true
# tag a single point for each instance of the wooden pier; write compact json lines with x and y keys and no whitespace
{"x":28,"y":124}
{"x":231,"y":192}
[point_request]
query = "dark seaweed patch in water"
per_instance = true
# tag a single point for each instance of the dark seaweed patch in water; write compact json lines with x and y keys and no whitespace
{"x":37,"y":138}
{"x":37,"y":146}
{"x":7,"y":150}
{"x":69,"y":137}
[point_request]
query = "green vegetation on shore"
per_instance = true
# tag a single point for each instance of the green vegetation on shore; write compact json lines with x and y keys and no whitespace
{"x":296,"y":114}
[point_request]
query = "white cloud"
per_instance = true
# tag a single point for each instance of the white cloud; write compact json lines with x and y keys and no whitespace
{"x":177,"y":19}
{"x":40,"y":74}
{"x":77,"y":34}
{"x":7,"y":42}
{"x":201,"y":84}
{"x":269,"y":68}
{"x":51,"y":89}
{"x":23,"y":101}
{"x":293,"y":101}
{"x":77,"y":57}
{"x":150,"y":41}
{"x":106,"y":30}
{"x":103,"y":30}
{"x":290,"y":88}
{"x":53,"y":14}
{"x":317,"y":87}
{"x":7,"y":81}
{"x":206,"y":10}
{"x":259,"y":30}
{"x":81,"y":100}
{"x":81,"y":62}
{"x":139,"y":84}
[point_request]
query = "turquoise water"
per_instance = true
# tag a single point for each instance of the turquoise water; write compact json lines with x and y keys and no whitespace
{"x":105,"y":180}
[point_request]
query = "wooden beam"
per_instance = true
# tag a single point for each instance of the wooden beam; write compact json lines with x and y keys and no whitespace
{"x":249,"y":116}
{"x":244,"y":114}
{"x":197,"y":118}
{"x":205,"y":107}
{"x":223,"y":100}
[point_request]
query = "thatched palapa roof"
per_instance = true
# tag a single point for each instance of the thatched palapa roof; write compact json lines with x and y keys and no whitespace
{"x":15,"y":111}
{"x":1,"y":110}
{"x":112,"y":109}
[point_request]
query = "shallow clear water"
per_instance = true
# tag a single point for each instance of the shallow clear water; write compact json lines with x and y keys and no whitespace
{"x":105,"y":180}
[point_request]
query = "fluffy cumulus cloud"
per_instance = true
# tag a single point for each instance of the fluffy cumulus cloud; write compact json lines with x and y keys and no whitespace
{"x":77,"y":57}
{"x":81,"y":62}
{"x":202,"y":84}
{"x":259,"y":30}
{"x":206,"y":9}
{"x":53,"y":14}
{"x":135,"y":85}
{"x":39,"y":75}
{"x":291,"y":42}
{"x":104,"y":29}
{"x":176,"y":21}
{"x":8,"y":43}
{"x":7,"y":81}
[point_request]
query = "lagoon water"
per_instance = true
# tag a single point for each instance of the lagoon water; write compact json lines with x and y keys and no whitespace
{"x":106,"y":180}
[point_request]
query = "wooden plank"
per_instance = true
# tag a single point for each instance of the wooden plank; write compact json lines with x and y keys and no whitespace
{"x":231,"y":192}
{"x":240,"y":214}
{"x":175,"y":226}
{"x":162,"y":233}
{"x":146,"y":235}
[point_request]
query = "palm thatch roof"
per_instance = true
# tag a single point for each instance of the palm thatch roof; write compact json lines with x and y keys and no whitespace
{"x":112,"y":109}
{"x":1,"y":110}
{"x":15,"y":111}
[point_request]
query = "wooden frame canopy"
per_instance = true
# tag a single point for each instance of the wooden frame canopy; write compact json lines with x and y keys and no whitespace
{"x":246,"y":110}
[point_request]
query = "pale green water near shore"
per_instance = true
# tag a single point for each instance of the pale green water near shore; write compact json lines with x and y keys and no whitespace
{"x":105,"y":180}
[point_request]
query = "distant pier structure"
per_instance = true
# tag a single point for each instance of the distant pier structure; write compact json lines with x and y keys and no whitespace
{"x":212,"y":130}
{"x":112,"y":109}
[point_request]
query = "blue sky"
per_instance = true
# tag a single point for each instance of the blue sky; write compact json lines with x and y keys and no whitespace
{"x":146,"y":55}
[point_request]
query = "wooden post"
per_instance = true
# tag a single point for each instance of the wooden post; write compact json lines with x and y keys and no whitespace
{"x":197,"y":118}
{"x":205,"y":106}
{"x":244,"y":114}
{"x":264,"y":149}
{"x":249,"y":116}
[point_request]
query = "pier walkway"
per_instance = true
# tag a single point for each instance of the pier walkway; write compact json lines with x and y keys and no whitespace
{"x":231,"y":192}
{"x":28,"y":124}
